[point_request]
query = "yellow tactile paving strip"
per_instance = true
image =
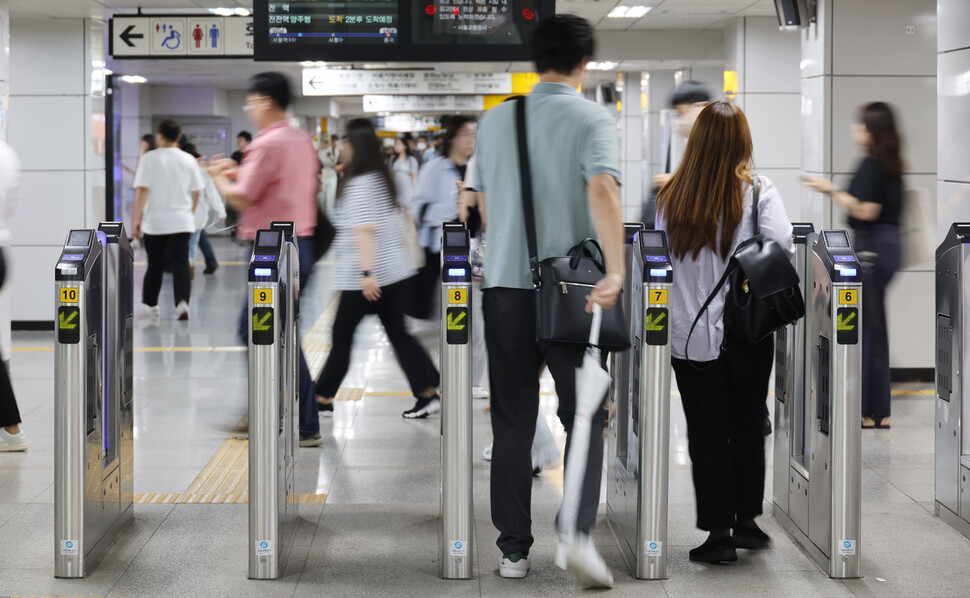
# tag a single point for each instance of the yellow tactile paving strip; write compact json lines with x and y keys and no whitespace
{"x":317,"y":340}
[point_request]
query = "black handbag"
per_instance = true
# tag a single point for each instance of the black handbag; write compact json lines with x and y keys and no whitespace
{"x":562,"y":283}
{"x":764,"y":294}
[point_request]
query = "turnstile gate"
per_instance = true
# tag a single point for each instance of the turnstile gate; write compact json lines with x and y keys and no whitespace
{"x":456,"y":404}
{"x":952,"y":478}
{"x":639,"y":440}
{"x":272,"y":512}
{"x":792,"y":385}
{"x":93,"y":451}
{"x":291,"y":363}
{"x":823,"y":511}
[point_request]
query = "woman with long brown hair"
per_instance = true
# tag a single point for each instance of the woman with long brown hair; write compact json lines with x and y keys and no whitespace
{"x":874,"y":201}
{"x":706,"y":210}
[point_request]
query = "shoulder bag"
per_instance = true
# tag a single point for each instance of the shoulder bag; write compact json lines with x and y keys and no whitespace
{"x":562,"y":283}
{"x":764,"y":294}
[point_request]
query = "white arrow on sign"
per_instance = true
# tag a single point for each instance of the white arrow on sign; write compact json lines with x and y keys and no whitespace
{"x":130,"y":36}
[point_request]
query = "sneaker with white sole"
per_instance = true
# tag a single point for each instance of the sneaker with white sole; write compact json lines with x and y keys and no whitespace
{"x":183,"y":310}
{"x":514,"y":566}
{"x":150,"y":310}
{"x":583,"y":560}
{"x":424,"y":407}
{"x":479,"y":392}
{"x":13,"y":443}
{"x":312,"y":440}
{"x":487,"y":453}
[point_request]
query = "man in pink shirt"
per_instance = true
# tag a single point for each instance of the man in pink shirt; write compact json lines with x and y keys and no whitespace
{"x":277,"y":181}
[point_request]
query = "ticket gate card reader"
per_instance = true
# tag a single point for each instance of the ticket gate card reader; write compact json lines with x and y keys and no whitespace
{"x":456,"y":542}
{"x":272,"y":514}
{"x":639,"y":446}
{"x":791,"y":390}
{"x":952,"y":476}
{"x":88,"y":506}
{"x":292,"y":359}
{"x":824,"y":510}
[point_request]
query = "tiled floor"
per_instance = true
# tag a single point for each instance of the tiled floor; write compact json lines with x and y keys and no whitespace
{"x":377,"y":534}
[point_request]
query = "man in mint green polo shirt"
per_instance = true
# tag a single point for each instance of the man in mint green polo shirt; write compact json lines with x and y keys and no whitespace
{"x":574,"y":153}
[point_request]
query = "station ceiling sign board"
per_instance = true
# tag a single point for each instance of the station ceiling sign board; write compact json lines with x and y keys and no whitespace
{"x":337,"y":82}
{"x":379,"y":103}
{"x":397,"y":30}
{"x":181,"y":36}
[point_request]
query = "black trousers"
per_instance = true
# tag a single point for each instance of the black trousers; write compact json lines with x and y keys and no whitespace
{"x":882,"y":240}
{"x":515,"y":364}
{"x":411,"y":356}
{"x":173,"y":250}
{"x":9,"y":414}
{"x":725,"y":409}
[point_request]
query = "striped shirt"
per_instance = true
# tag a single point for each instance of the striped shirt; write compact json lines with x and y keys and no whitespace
{"x":366,"y":200}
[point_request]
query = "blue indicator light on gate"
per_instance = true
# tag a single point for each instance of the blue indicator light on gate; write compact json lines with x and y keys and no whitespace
{"x":657,"y":258}
{"x":456,"y":271}
{"x":265,"y":258}
{"x":72,"y":257}
{"x":843,"y":258}
{"x":456,"y":258}
{"x":263,"y":271}
{"x":658,"y":272}
{"x":848,"y":271}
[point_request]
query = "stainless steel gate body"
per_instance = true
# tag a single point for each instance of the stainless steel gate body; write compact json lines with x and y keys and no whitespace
{"x":93,"y":452}
{"x":272,"y":513}
{"x":456,"y":539}
{"x":824,"y":507}
{"x":639,"y":442}
{"x":952,"y":478}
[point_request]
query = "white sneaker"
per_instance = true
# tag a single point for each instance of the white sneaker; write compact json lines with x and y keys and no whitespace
{"x":150,"y":310}
{"x":183,"y":310}
{"x":513,"y":570}
{"x":479,"y":392}
{"x":13,"y":443}
{"x":584,"y":561}
{"x":487,"y":453}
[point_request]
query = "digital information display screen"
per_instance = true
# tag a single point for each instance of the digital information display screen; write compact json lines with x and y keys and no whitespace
{"x":354,"y":22}
{"x":473,"y":21}
{"x":396,"y":30}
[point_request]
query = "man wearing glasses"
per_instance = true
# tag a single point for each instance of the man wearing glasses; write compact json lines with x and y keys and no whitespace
{"x":277,"y":181}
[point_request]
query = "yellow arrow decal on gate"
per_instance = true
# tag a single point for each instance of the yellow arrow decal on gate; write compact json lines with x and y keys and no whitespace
{"x":656,"y":324}
{"x":455,"y":323}
{"x":262,"y":325}
{"x":66,"y":323}
{"x":844,"y":325}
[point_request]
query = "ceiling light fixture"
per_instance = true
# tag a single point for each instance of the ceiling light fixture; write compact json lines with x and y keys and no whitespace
{"x":628,"y":12}
{"x":242,"y":12}
{"x":605,"y":65}
{"x":134,"y":79}
{"x":222,"y":12}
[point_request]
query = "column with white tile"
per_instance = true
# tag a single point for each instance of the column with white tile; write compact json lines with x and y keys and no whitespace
{"x":953,"y":66}
{"x":633,"y":148}
{"x":859,"y":52}
{"x":57,"y":127}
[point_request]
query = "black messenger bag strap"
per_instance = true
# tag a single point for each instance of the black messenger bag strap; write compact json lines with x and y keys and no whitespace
{"x":525,"y":179}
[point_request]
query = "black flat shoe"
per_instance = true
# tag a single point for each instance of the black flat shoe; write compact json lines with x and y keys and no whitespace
{"x":715,"y":551}
{"x":749,"y":536}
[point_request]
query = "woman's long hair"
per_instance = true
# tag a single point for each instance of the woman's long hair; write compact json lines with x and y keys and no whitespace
{"x":367,"y":156}
{"x":706,"y":194}
{"x":880,"y":121}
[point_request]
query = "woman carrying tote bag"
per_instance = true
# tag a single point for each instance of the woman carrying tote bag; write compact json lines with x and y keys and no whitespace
{"x":706,"y":210}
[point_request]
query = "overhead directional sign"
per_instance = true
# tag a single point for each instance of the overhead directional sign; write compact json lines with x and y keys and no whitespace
{"x":338,"y":82}
{"x":189,"y":36}
{"x":376,"y":103}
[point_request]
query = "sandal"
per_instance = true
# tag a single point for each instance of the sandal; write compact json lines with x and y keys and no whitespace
{"x":884,"y":423}
{"x":868,"y":422}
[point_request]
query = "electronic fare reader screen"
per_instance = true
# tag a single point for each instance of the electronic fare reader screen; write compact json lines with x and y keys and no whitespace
{"x":473,"y":21}
{"x":347,"y":22}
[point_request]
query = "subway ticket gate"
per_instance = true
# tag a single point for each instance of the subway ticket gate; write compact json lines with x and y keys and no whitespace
{"x":93,"y":441}
{"x":292,"y":358}
{"x":791,"y":383}
{"x":272,"y":382}
{"x":639,"y":441}
{"x":456,"y":404}
{"x":824,"y":510}
{"x":952,"y":476}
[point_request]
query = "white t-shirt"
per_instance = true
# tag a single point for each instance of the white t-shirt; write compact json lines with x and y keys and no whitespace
{"x":170,"y":175}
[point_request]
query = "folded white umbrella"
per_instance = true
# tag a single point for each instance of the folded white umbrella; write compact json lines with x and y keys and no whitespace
{"x":592,"y":383}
